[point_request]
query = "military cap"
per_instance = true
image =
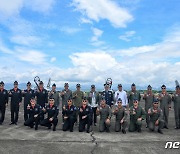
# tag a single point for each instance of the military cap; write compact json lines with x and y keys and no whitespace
{"x":28,"y":83}
{"x":15,"y":82}
{"x":92,"y":86}
{"x":149,"y":86}
{"x":163,"y":86}
{"x":135,"y":99}
{"x":66,"y":84}
{"x":177,"y":86}
{"x":119,"y":85}
{"x":133,"y":85}
{"x":54,"y":85}
{"x":85,"y":98}
{"x":103,"y":99}
{"x":119,"y":100}
{"x":51,"y":97}
{"x":41,"y":82}
{"x":1,"y":83}
{"x":155,"y":100}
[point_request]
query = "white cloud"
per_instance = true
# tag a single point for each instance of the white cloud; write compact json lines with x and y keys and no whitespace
{"x":70,"y":30}
{"x":85,"y":20}
{"x":103,"y":9}
{"x":53,"y":59}
{"x":95,"y":38}
{"x":26,"y":40}
{"x":127,"y":36}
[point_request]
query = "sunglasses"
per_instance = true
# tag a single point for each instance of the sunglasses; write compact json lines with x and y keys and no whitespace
{"x":156,"y":103}
{"x":69,"y":101}
{"x":119,"y":102}
{"x":51,"y":100}
{"x":135,"y":102}
{"x":163,"y":88}
{"x":84,"y":101}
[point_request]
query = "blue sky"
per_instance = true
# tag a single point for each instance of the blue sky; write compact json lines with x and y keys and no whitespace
{"x":87,"y":41}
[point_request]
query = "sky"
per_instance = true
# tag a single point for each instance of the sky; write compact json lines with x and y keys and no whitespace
{"x":88,"y":41}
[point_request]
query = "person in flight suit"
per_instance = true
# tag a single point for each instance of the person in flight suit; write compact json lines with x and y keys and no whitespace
{"x":3,"y":101}
{"x":137,"y":114}
{"x":52,"y":112}
{"x":27,"y":94}
{"x":42,"y":96}
{"x":54,"y":94}
{"x":165,"y":105}
{"x":148,"y":97}
{"x":66,"y":94}
{"x":105,"y":116}
{"x":133,"y":94}
{"x":34,"y":110}
{"x":176,"y":100}
{"x":93,"y":99}
{"x":156,"y":117}
{"x":78,"y":96}
{"x":121,"y":117}
{"x":16,"y":99}
{"x":69,"y":115}
{"x":85,"y":116}
{"x":108,"y":95}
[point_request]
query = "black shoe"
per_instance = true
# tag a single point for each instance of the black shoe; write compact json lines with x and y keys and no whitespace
{"x":176,"y":127}
{"x":36,"y":128}
{"x":71,"y":130}
{"x":123,"y":131}
{"x":166,"y":127}
{"x":139,"y":130}
{"x":54,"y":128}
{"x":12,"y":123}
{"x":147,"y":126}
{"x":107,"y":130}
{"x":87,"y":131}
{"x":160,"y":131}
{"x":0,"y":123}
{"x":94,"y":124}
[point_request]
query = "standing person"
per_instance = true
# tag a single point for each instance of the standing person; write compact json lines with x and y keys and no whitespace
{"x":27,"y":94}
{"x":133,"y":94}
{"x":34,"y":110}
{"x":16,"y":99}
{"x":54,"y":94}
{"x":78,"y":96}
{"x":156,"y":117}
{"x":69,"y":116}
{"x":121,"y":94}
{"x":52,"y":112}
{"x":3,"y":101}
{"x":137,"y":114}
{"x":121,"y":117}
{"x":93,"y":99}
{"x":85,"y":116}
{"x":165,"y":105}
{"x":66,"y":94}
{"x":105,"y":116}
{"x":108,"y":95}
{"x":148,"y":97}
{"x":176,"y":100}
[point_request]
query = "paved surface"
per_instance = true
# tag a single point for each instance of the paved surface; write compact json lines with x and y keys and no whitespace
{"x":20,"y":139}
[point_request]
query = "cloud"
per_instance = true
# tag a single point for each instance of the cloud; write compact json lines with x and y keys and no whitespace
{"x":70,"y":30}
{"x":85,"y":20}
{"x":127,"y":36}
{"x":53,"y":59}
{"x":95,"y":38}
{"x":103,"y":9}
{"x":26,"y":40}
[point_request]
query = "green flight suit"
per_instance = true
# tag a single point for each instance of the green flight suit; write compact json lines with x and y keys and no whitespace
{"x":77,"y":98}
{"x":133,"y":95}
{"x":105,"y":113}
{"x":154,"y":117}
{"x":120,"y":113}
{"x":67,"y":95}
{"x":136,"y":124}
{"x":165,"y":102}
{"x":176,"y":100}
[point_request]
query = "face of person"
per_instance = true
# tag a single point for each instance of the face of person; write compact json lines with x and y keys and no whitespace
{"x":33,"y":102}
{"x":53,"y":88}
{"x":69,"y":102}
{"x":119,"y":104}
{"x":178,"y":90}
{"x":120,"y":88}
{"x":149,"y":90}
{"x":135,"y":103}
{"x":103,"y":103}
{"x":15,"y":85}
{"x":51,"y":102}
{"x":155,"y":104}
{"x":106,"y":87}
{"x":78,"y":88}
{"x":28,"y":86}
{"x":84,"y":102}
{"x":66,"y":87}
{"x":1,"y":86}
{"x":93,"y":89}
{"x":133,"y":88}
{"x":163,"y":89}
{"x":41,"y":86}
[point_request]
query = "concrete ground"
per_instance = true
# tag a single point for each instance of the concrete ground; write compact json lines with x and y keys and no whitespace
{"x":20,"y":139}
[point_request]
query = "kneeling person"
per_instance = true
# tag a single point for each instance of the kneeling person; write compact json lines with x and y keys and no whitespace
{"x":85,"y":116}
{"x":34,"y":111}
{"x":105,"y":116}
{"x":156,"y":117}
{"x":137,"y":114}
{"x":52,"y":112}
{"x":121,"y":116}
{"x":69,"y":116}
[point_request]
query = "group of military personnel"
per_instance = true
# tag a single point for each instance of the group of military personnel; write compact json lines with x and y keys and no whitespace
{"x":42,"y":107}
